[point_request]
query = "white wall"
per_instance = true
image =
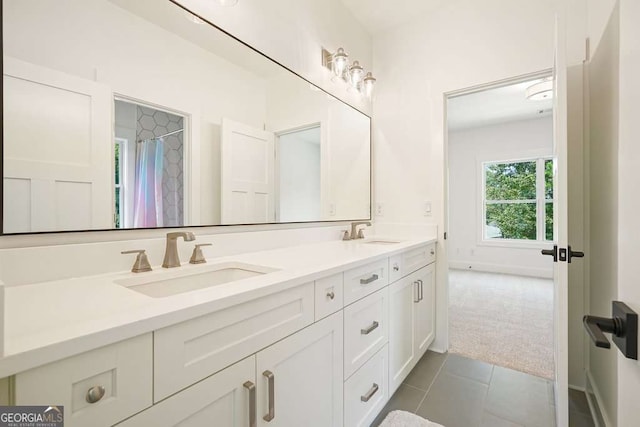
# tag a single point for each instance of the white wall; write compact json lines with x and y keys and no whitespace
{"x":293,"y":32}
{"x":468,"y":148}
{"x":462,"y":44}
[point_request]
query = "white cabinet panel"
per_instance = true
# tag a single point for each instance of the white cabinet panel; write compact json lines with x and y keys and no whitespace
{"x":123,"y":370}
{"x":367,"y":391}
{"x":221,"y":400}
{"x":307,"y":377}
{"x":192,"y":350}
{"x":365,"y":329}
{"x":362,"y":281}
{"x":424,"y":314}
{"x":403,"y":295}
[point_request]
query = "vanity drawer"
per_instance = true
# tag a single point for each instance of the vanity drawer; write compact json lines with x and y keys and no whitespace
{"x":367,"y":391}
{"x":362,"y":281}
{"x":329,"y":295}
{"x":412,"y":260}
{"x":190,"y":351}
{"x":365,"y":329}
{"x":123,"y":370}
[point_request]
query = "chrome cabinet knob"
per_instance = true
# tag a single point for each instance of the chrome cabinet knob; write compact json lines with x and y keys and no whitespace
{"x":433,"y":252}
{"x":331,"y":295}
{"x":95,"y":393}
{"x":396,"y":267}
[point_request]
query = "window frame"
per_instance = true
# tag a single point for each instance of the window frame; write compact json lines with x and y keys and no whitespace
{"x":541,"y":203}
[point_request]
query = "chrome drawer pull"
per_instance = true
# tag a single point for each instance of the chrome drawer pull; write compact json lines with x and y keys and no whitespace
{"x":95,"y":393}
{"x":373,"y":278}
{"x":368,"y":330}
{"x":252,"y":403}
{"x":421,"y":290}
{"x":416,"y":292}
{"x":396,"y":267}
{"x":331,"y":295}
{"x":433,"y":252}
{"x":373,"y":390}
{"x":272,"y":404}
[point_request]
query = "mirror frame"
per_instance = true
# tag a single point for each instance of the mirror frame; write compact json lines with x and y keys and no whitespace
{"x":208,"y":22}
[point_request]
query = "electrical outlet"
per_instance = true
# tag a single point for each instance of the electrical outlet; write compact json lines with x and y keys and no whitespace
{"x":379,"y":209}
{"x":427,"y":208}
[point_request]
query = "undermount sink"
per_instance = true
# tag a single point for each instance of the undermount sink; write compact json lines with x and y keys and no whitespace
{"x":381,"y":242}
{"x":186,"y":281}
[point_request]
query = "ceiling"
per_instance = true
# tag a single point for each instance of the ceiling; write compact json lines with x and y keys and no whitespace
{"x":378,"y":15}
{"x":495,"y":106}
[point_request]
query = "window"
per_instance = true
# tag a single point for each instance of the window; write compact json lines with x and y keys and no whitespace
{"x":518,"y":200}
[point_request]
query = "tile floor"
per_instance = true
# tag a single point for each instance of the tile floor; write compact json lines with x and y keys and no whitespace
{"x":459,"y":392}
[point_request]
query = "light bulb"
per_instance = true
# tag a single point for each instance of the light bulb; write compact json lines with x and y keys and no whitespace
{"x":369,"y":82}
{"x":355,"y":72}
{"x":340,"y":62}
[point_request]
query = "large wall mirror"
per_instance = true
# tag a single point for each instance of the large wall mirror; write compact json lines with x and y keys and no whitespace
{"x":124,"y":114}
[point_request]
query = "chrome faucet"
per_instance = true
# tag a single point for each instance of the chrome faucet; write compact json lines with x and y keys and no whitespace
{"x":171,"y":258}
{"x":354,"y":232}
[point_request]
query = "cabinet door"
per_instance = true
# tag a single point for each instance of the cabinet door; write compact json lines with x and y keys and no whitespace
{"x":306,"y":387}
{"x":221,"y":400}
{"x":403,"y":296}
{"x":424,"y":313}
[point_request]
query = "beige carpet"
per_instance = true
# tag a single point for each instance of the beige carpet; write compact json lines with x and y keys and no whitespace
{"x":501,"y":319}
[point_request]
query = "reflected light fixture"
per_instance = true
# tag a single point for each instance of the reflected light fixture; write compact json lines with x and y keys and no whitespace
{"x":353,"y":74}
{"x":193,"y":18}
{"x":226,"y":3}
{"x":540,"y":91}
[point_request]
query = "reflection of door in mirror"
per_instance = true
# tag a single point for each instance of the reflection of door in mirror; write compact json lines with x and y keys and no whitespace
{"x":298,"y":175}
{"x":149,"y":167}
{"x":247,"y":174}
{"x":56,"y":164}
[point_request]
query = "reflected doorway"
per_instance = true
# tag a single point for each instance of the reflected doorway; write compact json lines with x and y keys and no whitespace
{"x":298,"y":166}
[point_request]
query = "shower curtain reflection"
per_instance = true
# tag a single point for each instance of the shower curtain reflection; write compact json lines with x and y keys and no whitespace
{"x":148,"y":211}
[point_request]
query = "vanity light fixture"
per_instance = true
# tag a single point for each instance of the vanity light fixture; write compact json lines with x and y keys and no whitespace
{"x":353,"y":74}
{"x":541,"y":90}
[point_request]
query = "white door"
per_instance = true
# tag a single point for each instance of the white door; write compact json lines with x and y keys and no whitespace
{"x":560,"y":227}
{"x":247,"y":174}
{"x":57,"y":151}
{"x":424,"y":314}
{"x":224,"y":399}
{"x":628,"y":287}
{"x":300,"y":378}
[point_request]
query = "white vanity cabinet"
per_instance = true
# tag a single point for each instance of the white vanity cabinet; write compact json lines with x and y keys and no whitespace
{"x":412,"y":321}
{"x":96,"y":388}
{"x":224,"y":399}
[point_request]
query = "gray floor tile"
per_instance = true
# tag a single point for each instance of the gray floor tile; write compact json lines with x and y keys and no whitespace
{"x":490,"y":420}
{"x":426,"y":370}
{"x":580,"y":420}
{"x":578,"y":402}
{"x":520,"y":398}
{"x":468,"y":368}
{"x":406,"y":398}
{"x":454,"y":401}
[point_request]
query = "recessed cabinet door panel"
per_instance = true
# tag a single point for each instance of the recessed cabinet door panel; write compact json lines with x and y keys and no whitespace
{"x":220,"y":400}
{"x":306,"y":372}
{"x":424,"y":314}
{"x":403,"y":295}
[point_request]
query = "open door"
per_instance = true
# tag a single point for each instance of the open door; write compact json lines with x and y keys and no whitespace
{"x":560,"y":228}
{"x":57,"y":175}
{"x":247,"y":174}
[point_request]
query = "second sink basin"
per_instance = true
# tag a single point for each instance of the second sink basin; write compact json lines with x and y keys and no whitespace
{"x":381,"y":242}
{"x":185,"y":281}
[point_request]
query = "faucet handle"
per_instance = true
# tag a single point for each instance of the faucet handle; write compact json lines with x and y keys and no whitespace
{"x":141,"y":263}
{"x":361,"y":234}
{"x":345,"y":235}
{"x":197,"y":257}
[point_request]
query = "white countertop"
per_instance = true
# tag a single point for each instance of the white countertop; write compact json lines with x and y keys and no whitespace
{"x":50,"y":321}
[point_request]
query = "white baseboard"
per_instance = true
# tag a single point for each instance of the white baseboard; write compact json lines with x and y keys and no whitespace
{"x":595,"y":405}
{"x":503,"y":269}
